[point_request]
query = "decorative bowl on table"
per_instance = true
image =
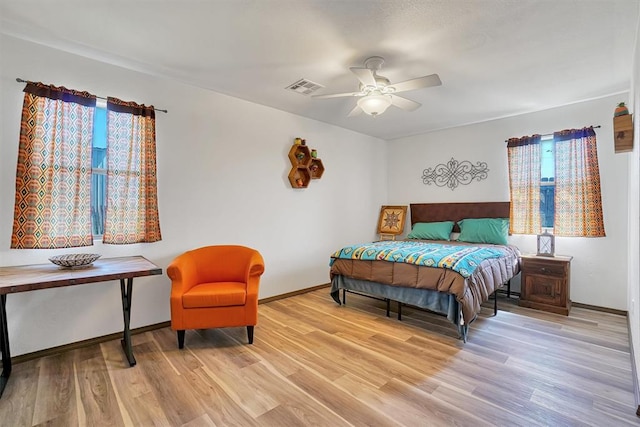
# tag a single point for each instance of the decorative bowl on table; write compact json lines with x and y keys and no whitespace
{"x":74,"y":260}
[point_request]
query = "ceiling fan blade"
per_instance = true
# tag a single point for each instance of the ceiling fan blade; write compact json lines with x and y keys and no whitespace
{"x":419,"y":83}
{"x":404,"y":103}
{"x":365,"y":76}
{"x":337,"y":95}
{"x":355,"y":112}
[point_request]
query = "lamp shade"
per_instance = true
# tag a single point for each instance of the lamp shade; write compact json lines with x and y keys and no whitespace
{"x":374,"y":105}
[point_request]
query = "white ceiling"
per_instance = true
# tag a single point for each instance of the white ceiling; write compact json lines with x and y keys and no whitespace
{"x":495,"y":58}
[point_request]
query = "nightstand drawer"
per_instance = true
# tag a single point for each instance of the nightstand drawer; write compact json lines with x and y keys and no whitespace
{"x":545,"y":268}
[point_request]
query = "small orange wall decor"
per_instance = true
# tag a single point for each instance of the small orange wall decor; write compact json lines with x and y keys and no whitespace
{"x":391,"y":221}
{"x":305,"y":164}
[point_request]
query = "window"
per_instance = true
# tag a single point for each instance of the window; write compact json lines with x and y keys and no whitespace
{"x":99,"y":169}
{"x":547,"y":181}
{"x":554,"y":182}
{"x":70,"y":187}
{"x":128,"y":164}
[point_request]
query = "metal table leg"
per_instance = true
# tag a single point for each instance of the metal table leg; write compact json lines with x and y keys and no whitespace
{"x":4,"y":344}
{"x":126,"y":312}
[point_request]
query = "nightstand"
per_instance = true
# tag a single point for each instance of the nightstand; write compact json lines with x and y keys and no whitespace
{"x":545,"y":283}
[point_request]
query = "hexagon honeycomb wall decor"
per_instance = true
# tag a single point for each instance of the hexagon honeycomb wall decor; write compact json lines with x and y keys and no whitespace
{"x":305,"y":165}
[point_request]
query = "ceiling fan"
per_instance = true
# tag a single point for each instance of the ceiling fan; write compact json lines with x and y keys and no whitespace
{"x":377,"y":93}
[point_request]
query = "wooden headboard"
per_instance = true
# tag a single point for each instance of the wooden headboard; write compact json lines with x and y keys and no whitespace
{"x":433,"y":212}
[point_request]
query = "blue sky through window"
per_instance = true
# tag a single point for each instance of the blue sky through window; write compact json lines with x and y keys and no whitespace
{"x":547,"y":158}
{"x":99,"y":138}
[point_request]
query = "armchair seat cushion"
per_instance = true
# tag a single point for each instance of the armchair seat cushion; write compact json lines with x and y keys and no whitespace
{"x":218,"y":294}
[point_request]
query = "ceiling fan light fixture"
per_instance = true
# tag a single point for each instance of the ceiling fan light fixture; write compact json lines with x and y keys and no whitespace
{"x":374,"y":105}
{"x":376,"y":93}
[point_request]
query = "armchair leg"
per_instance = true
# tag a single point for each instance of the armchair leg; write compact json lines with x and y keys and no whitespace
{"x":181,"y":339}
{"x":250,"y":334}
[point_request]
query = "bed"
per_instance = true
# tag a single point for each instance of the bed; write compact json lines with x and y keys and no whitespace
{"x":451,"y":278}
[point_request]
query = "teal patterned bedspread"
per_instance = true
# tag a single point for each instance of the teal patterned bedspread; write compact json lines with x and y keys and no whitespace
{"x":462,"y":259}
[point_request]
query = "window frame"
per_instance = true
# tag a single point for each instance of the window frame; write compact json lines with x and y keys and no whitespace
{"x":547,"y":182}
{"x":98,"y":175}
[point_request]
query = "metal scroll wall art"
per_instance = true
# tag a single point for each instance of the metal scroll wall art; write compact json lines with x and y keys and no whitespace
{"x":454,"y":173}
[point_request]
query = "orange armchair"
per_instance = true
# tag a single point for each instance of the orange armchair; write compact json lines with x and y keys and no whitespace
{"x":215,"y":287}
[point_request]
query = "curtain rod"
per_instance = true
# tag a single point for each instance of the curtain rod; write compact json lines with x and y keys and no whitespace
{"x":551,"y":134}
{"x":19,"y":80}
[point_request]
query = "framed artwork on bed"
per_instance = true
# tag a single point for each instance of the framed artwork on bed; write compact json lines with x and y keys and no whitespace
{"x":391,"y":221}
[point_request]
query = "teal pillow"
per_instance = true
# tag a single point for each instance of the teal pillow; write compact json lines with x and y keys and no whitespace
{"x":431,"y":230}
{"x":484,"y":230}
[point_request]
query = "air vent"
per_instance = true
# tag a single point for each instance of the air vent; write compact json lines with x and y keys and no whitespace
{"x":304,"y":86}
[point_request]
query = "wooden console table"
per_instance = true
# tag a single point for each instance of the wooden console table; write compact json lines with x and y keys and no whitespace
{"x":45,"y":276}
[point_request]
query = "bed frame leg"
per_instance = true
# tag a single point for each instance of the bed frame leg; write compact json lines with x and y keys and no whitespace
{"x":344,"y":297}
{"x":495,"y":302}
{"x":388,"y":305}
{"x":399,"y":310}
{"x":509,"y":288}
{"x":463,"y":332}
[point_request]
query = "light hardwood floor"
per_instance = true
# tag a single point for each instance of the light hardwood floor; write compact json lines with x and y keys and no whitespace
{"x":316,"y":363}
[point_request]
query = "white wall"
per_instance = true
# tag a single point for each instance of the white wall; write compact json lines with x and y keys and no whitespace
{"x":634,"y":212}
{"x":599,"y":267}
{"x":222,"y":178}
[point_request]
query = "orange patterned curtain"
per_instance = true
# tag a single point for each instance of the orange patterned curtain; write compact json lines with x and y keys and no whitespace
{"x":132,"y":195}
{"x":53,"y":178}
{"x":524,"y":184}
{"x":578,"y":201}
